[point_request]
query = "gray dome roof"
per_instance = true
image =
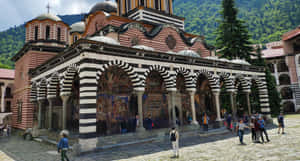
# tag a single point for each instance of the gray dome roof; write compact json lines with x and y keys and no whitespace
{"x":106,"y":6}
{"x":189,"y":53}
{"x":48,"y":16}
{"x":78,"y":27}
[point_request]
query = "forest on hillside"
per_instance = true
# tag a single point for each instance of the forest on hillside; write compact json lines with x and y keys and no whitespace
{"x":267,"y":20}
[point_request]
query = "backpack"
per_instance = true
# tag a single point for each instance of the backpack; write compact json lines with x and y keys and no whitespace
{"x":173,"y":136}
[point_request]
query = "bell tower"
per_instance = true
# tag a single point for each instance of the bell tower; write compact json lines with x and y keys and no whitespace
{"x":150,"y":11}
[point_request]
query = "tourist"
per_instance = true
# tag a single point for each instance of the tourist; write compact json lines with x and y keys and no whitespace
{"x":280,"y":120}
{"x":228,"y":120}
{"x":245,"y":118}
{"x":63,"y":145}
{"x":261,"y":122}
{"x":205,"y":120}
{"x":240,"y":129}
{"x":174,"y":137}
{"x":149,"y":122}
{"x":137,"y":122}
{"x":257,"y":130}
{"x":252,"y":126}
{"x":190,"y":119}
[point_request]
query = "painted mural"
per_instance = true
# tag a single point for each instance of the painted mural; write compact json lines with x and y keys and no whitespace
{"x":155,"y":104}
{"x":116,"y":106}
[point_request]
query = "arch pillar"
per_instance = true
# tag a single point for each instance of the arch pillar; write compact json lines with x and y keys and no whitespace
{"x":192,"y":98}
{"x":50,"y":100}
{"x":216,"y":94}
{"x":247,"y":93}
{"x":65,"y":99}
{"x":172,"y":92}
{"x":232,"y":94}
{"x":140,"y":93}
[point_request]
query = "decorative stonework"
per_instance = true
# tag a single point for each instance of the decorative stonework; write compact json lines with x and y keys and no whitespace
{"x":171,"y":42}
{"x":135,"y":41}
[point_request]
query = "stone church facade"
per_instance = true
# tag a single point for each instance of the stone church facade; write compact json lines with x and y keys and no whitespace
{"x":126,"y":60}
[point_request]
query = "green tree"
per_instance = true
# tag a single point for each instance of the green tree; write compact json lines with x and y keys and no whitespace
{"x":233,"y":40}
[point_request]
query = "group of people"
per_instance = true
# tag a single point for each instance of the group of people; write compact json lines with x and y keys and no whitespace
{"x":257,"y":126}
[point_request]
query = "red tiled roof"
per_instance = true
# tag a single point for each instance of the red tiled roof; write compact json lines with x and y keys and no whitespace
{"x":7,"y":73}
{"x":272,"y":53}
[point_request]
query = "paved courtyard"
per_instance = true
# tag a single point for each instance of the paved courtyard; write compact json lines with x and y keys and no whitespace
{"x":219,"y":148}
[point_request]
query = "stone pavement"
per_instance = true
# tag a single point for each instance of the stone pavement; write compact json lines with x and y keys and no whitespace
{"x":218,"y":147}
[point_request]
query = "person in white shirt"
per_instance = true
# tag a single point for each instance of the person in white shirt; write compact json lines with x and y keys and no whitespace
{"x":241,"y":127}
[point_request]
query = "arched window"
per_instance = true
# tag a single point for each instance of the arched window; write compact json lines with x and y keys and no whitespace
{"x":36,"y":33}
{"x":284,"y":79}
{"x":286,"y":93}
{"x":47,"y":32}
{"x":58,"y":34}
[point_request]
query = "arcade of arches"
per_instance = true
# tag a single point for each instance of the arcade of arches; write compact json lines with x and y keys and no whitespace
{"x":118,"y":103}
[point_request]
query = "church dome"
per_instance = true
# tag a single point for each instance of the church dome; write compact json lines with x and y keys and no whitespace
{"x":78,"y":27}
{"x":106,"y":6}
{"x":143,"y":47}
{"x":48,"y":16}
{"x":190,"y":53}
{"x":105,"y":39}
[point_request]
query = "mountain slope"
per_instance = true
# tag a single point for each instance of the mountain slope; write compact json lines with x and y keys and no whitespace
{"x":267,"y":21}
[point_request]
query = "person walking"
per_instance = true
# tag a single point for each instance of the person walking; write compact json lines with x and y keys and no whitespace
{"x":63,"y":145}
{"x":240,"y":129}
{"x":205,"y":122}
{"x":257,"y":130}
{"x":261,"y":122}
{"x":228,"y":121}
{"x":280,"y":120}
{"x":174,"y":137}
{"x":252,"y":126}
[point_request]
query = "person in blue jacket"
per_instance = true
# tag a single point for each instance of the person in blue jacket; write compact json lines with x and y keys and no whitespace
{"x":63,"y":145}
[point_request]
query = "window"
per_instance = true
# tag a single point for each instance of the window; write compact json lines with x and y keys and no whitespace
{"x":142,"y":2}
{"x":129,"y":5}
{"x":75,"y":38}
{"x":8,"y":92}
{"x":36,"y":33}
{"x":47,"y":32}
{"x":19,"y":105}
{"x":8,"y":106}
{"x":167,"y":6}
{"x":58,"y":34}
{"x":156,"y":4}
{"x":284,"y":79}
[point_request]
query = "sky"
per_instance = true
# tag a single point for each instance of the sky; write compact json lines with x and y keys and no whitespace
{"x":16,"y":12}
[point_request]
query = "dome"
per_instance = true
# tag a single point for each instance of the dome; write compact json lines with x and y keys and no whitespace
{"x":48,"y":16}
{"x":106,"y":6}
{"x":143,"y":47}
{"x":190,"y":53}
{"x":104,"y":39}
{"x":240,"y":61}
{"x":78,"y":27}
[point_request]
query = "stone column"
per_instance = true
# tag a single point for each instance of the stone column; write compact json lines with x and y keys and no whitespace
{"x":172,"y":103}
{"x":65,"y":99}
{"x":217,"y":99}
{"x":140,"y":111}
{"x":192,"y":96}
{"x":40,"y":104}
{"x":276,"y":73}
{"x":50,"y":100}
{"x":247,"y":93}
{"x":233,"y":103}
{"x":3,"y":89}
